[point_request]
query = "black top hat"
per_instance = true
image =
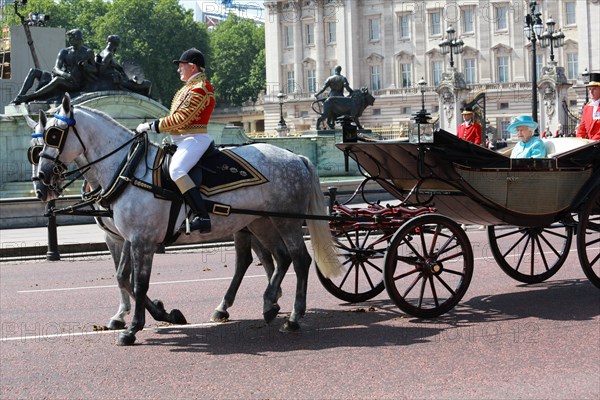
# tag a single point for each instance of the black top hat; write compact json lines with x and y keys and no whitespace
{"x":193,"y":56}
{"x":594,"y":79}
{"x":467,"y":110}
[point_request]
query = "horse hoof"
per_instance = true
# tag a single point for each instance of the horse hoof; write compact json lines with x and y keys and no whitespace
{"x":159,"y":304}
{"x":290,"y":327}
{"x":219,"y":316}
{"x":126,"y":339}
{"x":270,"y":315}
{"x":115,"y":325}
{"x":177,"y":317}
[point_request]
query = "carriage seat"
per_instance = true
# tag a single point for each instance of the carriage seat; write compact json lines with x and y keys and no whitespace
{"x":556,"y":146}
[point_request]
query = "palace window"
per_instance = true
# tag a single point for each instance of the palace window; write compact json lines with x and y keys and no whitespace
{"x":404,"y":26}
{"x":572,"y":66}
{"x":311,"y":79}
{"x":375,"y":77}
{"x":435,"y":23}
{"x":331,"y":32}
{"x":437,"y":67}
{"x":406,"y":75}
{"x":468,"y":20}
{"x":291,"y":82}
{"x":309,"y":30}
{"x":374,"y":29}
{"x":570,"y":14}
{"x":501,"y":12}
{"x":539,"y":64}
{"x":503,"y":69}
{"x":470,"y":72}
{"x":289,"y":36}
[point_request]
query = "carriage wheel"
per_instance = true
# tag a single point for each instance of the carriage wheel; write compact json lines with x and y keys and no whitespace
{"x":530,"y":254}
{"x":588,"y":239}
{"x":362,"y":251}
{"x":428,"y":266}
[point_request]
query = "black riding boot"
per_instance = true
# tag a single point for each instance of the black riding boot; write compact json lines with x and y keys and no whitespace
{"x":201,"y":220}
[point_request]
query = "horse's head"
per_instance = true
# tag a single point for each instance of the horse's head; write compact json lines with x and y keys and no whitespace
{"x":42,"y":191}
{"x":61,"y":145}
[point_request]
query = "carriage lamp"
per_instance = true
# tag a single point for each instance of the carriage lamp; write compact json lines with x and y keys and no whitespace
{"x":349,"y":129}
{"x":282,"y":125}
{"x":533,"y":31}
{"x":424,"y":133}
{"x":586,"y":80}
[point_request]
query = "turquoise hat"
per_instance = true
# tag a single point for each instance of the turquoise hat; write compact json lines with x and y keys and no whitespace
{"x":521,"y":120}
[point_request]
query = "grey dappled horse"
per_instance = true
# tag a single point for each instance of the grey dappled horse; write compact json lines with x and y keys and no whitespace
{"x":86,"y":137}
{"x":244,"y":243}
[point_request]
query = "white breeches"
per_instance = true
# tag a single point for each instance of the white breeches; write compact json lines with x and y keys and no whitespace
{"x":190,"y":148}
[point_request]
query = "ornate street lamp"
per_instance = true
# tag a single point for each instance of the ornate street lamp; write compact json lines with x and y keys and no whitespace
{"x":451,"y":45}
{"x":552,"y":38}
{"x":282,"y":125}
{"x":533,"y":31}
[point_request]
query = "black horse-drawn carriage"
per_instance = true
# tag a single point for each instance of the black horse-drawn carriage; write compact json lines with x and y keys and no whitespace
{"x":418,"y":251}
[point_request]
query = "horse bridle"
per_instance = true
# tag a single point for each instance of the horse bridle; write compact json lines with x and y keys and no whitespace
{"x":55,"y":137}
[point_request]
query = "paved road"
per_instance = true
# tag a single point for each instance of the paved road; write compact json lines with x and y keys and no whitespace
{"x":504,"y":340}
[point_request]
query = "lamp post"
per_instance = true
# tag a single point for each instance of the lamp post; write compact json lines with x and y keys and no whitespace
{"x":422,"y":118}
{"x":552,"y":38}
{"x":533,"y":31}
{"x":422,"y":84}
{"x":451,"y":45}
{"x":281,"y":126}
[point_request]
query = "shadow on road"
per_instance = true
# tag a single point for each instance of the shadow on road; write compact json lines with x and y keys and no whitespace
{"x":321,"y":329}
{"x":379,"y":323}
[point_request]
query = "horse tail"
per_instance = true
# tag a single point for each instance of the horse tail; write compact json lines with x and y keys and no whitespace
{"x":324,"y":249}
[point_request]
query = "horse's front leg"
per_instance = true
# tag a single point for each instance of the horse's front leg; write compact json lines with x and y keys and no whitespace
{"x":142,"y":254}
{"x":273,"y":292}
{"x":294,"y":243}
{"x":119,"y":251}
{"x":243,"y":258}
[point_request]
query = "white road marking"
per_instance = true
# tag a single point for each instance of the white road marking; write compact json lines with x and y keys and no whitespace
{"x":104,"y":332}
{"x":151,"y":284}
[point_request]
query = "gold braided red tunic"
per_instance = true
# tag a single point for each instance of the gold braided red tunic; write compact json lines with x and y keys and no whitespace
{"x":191,"y":108}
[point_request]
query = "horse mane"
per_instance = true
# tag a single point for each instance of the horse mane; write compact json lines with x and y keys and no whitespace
{"x":105,"y":116}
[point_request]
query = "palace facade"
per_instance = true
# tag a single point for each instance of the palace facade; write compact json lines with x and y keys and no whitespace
{"x":389,"y":45}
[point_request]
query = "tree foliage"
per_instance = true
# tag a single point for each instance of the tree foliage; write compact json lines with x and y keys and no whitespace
{"x":238,"y":60}
{"x":154,"y":32}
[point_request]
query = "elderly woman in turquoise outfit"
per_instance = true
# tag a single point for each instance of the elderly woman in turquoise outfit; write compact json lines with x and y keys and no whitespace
{"x":529,"y":146}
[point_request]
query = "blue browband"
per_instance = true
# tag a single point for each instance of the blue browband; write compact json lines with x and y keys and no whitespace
{"x":69,"y":121}
{"x":36,"y":135}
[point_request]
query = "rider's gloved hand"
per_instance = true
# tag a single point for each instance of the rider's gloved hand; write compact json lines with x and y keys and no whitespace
{"x":147,"y":127}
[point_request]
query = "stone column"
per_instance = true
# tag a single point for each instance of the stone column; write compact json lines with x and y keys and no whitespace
{"x":553,"y":87}
{"x":274,"y":42}
{"x":453,"y":93}
{"x":320,"y":43}
{"x":298,"y":46}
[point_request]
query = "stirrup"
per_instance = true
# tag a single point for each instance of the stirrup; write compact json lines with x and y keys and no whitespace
{"x":202,"y":225}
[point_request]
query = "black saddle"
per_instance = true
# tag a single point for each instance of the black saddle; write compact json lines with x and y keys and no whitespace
{"x":217,"y":171}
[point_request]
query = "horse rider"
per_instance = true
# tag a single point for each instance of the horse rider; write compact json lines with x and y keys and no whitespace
{"x":187,"y":124}
{"x":336,"y":84}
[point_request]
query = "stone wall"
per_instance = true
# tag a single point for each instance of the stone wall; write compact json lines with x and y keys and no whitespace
{"x":131,"y":109}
